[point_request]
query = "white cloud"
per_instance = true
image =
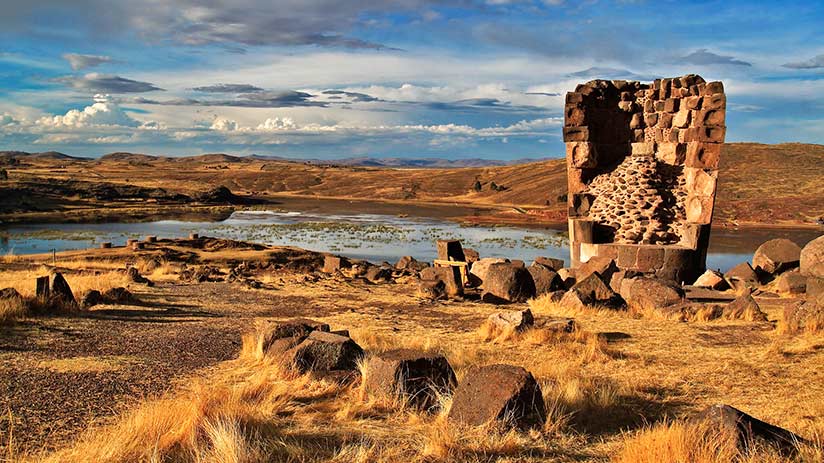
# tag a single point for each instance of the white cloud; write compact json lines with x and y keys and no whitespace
{"x":224,"y":125}
{"x":278,"y":123}
{"x":7,"y":119}
{"x":78,"y":61}
{"x":104,"y":111}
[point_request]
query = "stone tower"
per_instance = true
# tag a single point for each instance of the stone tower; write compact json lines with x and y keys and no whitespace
{"x":642,"y":164}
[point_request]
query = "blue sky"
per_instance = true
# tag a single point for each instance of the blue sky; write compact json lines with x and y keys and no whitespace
{"x":407,"y":78}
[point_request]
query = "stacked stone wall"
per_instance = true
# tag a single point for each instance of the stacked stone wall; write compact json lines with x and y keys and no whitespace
{"x":642,"y":164}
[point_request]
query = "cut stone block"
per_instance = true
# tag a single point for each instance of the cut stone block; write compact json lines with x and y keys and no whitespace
{"x":582,"y":154}
{"x":643,"y":149}
{"x":576,"y":133}
{"x":332,"y":264}
{"x":450,"y":250}
{"x":546,"y":279}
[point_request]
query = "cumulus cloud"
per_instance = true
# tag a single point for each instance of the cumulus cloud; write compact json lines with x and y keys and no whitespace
{"x":224,"y":125}
{"x":228,"y":88}
{"x":815,"y":62}
{"x":7,"y":119}
{"x":278,"y":123}
{"x":78,"y":61}
{"x":105,"y":83}
{"x":704,"y":57}
{"x":103,"y":112}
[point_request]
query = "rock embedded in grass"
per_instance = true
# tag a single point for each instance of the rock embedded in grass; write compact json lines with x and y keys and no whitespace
{"x":747,"y":429}
{"x":591,"y":291}
{"x":90,"y":298}
{"x":651,"y":293}
{"x":322,"y":351}
{"x":744,"y":307}
{"x":504,"y":393}
{"x":59,"y":290}
{"x":512,"y":320}
{"x":419,"y":378}
{"x":546,"y":279}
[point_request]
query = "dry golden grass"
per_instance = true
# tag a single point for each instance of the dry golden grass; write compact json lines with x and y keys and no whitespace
{"x":12,"y":309}
{"x":10,"y":257}
{"x":24,"y":280}
{"x":699,"y":443}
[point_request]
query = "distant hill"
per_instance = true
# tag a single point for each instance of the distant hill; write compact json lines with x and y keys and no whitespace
{"x":49,"y":155}
{"x":128,"y":157}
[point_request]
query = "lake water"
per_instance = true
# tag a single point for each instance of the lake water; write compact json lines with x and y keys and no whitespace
{"x":376,"y":237}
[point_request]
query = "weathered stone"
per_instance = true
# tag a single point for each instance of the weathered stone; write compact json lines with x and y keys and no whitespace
{"x":431,"y":289}
{"x":416,"y":377}
{"x":10,"y":293}
{"x":747,"y":429}
{"x":512,"y":320}
{"x":504,"y":393}
{"x":804,"y":316}
{"x":375,"y":273}
{"x":742,"y":276}
{"x":481,"y":267}
{"x":134,"y":276}
{"x":650,"y":293}
{"x":582,"y":154}
{"x":811,"y":259}
{"x":791,"y":283}
{"x":118,"y":295}
{"x":332,"y":264}
{"x":554,"y":264}
{"x":471,"y":255}
{"x":815,"y":291}
{"x":546,"y":280}
{"x":90,"y":298}
{"x":568,"y":277}
{"x":690,"y":311}
{"x":296,"y":330}
{"x":557,"y":325}
{"x":323,"y":351}
{"x":776,"y":256}
{"x":603,"y":265}
{"x":712,"y":279}
{"x":59,"y":290}
{"x":591,"y":290}
{"x":450,"y":250}
{"x":744,"y":307}
{"x":507,"y":283}
{"x":410,"y":263}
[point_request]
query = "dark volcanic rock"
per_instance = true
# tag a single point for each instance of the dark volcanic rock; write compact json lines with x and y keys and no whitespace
{"x":591,"y":291}
{"x":90,"y":298}
{"x":414,"y":376}
{"x":546,"y":279}
{"x":322,"y":351}
{"x":651,"y":293}
{"x":515,"y":320}
{"x":748,"y":429}
{"x":504,"y":393}
{"x":508,"y":283}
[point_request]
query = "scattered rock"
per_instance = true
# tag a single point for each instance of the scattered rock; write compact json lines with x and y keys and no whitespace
{"x":742,"y":277}
{"x":411,"y":375}
{"x":567,"y":276}
{"x":776,"y":256}
{"x":447,"y":275}
{"x":504,"y":393}
{"x":135,"y":276}
{"x":748,"y":429}
{"x":431,"y":289}
{"x":815,"y":291}
{"x":811,"y":259}
{"x":323,"y":351}
{"x":10,"y":293}
{"x":332,"y":264}
{"x":712,"y":279}
{"x":481,"y":267}
{"x":450,"y":250}
{"x":512,"y":320}
{"x":590,"y":291}
{"x":651,"y":293}
{"x":118,"y":296}
{"x":744,"y":307}
{"x":546,"y":279}
{"x":693,"y":311}
{"x":377,"y":274}
{"x":471,"y":256}
{"x":554,"y":264}
{"x":59,"y":290}
{"x":201,"y":274}
{"x":558,"y":325}
{"x":603,"y":265}
{"x":507,"y":283}
{"x":271,"y":334}
{"x":90,"y":298}
{"x":791,"y":283}
{"x":409,"y":263}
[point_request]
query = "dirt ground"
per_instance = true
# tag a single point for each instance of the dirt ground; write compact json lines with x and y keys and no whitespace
{"x":61,"y":374}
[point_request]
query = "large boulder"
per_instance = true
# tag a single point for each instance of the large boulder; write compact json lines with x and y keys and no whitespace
{"x":568,"y":277}
{"x":776,"y":256}
{"x":651,"y":293}
{"x":431,"y":289}
{"x":10,"y":293}
{"x":55,"y":289}
{"x":118,"y":295}
{"x":323,"y":351}
{"x":504,"y":393}
{"x":471,"y":256}
{"x":747,"y":429}
{"x":90,"y":298}
{"x":712,"y":279}
{"x":815,"y":291}
{"x":744,"y":307}
{"x":791,"y":283}
{"x":481,"y":267}
{"x":507,"y":283}
{"x":377,"y":274}
{"x":512,"y":320}
{"x":546,"y":279}
{"x":416,"y":377}
{"x":590,"y":291}
{"x":134,"y":276}
{"x":447,"y":275}
{"x":276,"y":337}
{"x":811,"y":260}
{"x":742,"y":277}
{"x":803,"y":316}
